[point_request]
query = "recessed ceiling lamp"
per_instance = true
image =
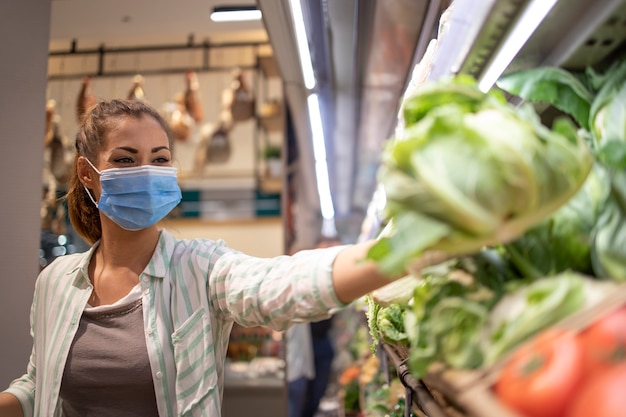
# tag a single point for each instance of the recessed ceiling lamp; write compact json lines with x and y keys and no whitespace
{"x":235,"y":13}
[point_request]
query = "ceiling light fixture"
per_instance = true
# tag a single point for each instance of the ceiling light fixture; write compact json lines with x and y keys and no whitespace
{"x":235,"y":14}
{"x":526,"y":25}
{"x":321,"y":166}
{"x":303,"y":44}
{"x":315,"y":119}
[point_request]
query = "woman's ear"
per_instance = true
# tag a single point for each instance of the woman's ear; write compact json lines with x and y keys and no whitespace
{"x":85,"y":172}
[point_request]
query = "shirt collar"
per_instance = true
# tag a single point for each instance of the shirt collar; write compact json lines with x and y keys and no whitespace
{"x":157,"y":267}
{"x":161,"y":258}
{"x":81,"y":270}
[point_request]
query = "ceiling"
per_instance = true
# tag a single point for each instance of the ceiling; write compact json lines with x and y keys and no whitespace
{"x":362,"y":51}
{"x":143,"y":22}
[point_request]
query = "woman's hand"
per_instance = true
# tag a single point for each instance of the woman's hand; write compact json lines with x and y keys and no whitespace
{"x":354,"y":275}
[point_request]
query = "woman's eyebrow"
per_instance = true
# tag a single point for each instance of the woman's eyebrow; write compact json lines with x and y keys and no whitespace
{"x":133,"y":150}
{"x":127,"y":149}
{"x":158,"y":148}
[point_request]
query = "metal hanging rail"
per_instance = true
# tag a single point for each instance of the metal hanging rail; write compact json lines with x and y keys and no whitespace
{"x":102,"y":51}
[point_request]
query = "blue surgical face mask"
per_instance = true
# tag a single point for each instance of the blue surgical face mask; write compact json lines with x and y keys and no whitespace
{"x":137,"y":197}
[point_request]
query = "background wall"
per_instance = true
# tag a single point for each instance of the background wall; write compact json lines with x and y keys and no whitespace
{"x":24,"y":33}
{"x":260,"y":237}
{"x":229,"y":182}
{"x":163,"y":72}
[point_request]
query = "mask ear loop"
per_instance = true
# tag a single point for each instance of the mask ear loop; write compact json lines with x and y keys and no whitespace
{"x":90,"y":197}
{"x":90,"y":164}
{"x":86,"y":189}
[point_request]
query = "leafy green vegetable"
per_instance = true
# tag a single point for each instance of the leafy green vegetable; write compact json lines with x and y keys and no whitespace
{"x":391,"y":324}
{"x":470,"y":171}
{"x":372,"y":322}
{"x":351,"y":398}
{"x":491,"y":268}
{"x":597,"y":101}
{"x":613,"y":154}
{"x":445,"y":324}
{"x":563,"y":241}
{"x":608,"y":248}
{"x":456,"y":323}
{"x":388,"y":400}
{"x":552,"y":85}
{"x":608,"y":110}
{"x":531,"y":308}
{"x":398,"y":292}
{"x":390,"y":253}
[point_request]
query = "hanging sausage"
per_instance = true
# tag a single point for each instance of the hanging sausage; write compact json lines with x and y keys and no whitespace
{"x":188,"y":109}
{"x":57,"y":166}
{"x":214,"y":145}
{"x":136,"y":89}
{"x":238,"y":99}
{"x":55,"y":144}
{"x":85,"y":98}
{"x":192,"y":101}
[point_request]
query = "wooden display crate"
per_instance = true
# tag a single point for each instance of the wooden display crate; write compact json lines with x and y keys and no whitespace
{"x":445,"y":392}
{"x":470,"y":392}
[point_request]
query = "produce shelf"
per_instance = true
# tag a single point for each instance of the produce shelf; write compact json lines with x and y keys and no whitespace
{"x":418,"y":395}
{"x":574,"y":34}
{"x":445,"y":392}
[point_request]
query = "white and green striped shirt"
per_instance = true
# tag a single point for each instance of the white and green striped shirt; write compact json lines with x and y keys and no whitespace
{"x":193,"y":291}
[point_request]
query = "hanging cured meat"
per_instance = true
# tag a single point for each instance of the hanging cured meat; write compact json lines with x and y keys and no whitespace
{"x":56,"y":172}
{"x":188,"y":110}
{"x":238,"y":105}
{"x":50,"y":107}
{"x":214,"y":146}
{"x":192,"y":96}
{"x":218,"y":149}
{"x":238,"y":99}
{"x":136,"y":89}
{"x":55,"y":144}
{"x":85,"y":99}
{"x":180,"y":121}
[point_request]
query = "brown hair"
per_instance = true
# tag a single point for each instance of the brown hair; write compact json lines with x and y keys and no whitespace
{"x":93,"y":131}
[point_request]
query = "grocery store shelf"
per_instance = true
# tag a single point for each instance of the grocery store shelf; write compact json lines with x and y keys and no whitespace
{"x":272,"y":123}
{"x":420,"y":396}
{"x":575,"y":34}
{"x":271,"y":185}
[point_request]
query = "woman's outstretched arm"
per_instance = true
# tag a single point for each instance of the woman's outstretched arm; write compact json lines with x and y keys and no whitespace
{"x":353,"y":276}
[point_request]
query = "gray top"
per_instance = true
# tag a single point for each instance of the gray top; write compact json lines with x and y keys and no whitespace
{"x":107,"y":372}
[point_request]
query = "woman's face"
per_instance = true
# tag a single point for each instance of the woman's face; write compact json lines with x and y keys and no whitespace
{"x":135,"y":142}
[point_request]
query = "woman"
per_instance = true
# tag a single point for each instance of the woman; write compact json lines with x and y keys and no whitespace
{"x":139,"y":324}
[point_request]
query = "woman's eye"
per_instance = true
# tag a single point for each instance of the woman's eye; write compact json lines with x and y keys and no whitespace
{"x":162,"y":160}
{"x":124,"y":160}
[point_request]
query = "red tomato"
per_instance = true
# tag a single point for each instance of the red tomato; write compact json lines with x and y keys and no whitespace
{"x":541,"y":377}
{"x":602,"y":396}
{"x":604,"y":342}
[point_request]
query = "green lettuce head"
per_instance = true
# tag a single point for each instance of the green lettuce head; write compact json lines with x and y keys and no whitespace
{"x":470,"y":170}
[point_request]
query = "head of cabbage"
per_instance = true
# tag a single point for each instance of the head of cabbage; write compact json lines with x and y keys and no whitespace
{"x":469,"y":170}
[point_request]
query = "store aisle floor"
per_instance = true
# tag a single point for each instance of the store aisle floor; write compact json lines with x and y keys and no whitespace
{"x":329,"y":407}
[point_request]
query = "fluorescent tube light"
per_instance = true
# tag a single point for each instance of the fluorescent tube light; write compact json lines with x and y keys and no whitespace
{"x":303,"y":44}
{"x":528,"y":22}
{"x":317,"y":131}
{"x":319,"y":152}
{"x":235,"y":14}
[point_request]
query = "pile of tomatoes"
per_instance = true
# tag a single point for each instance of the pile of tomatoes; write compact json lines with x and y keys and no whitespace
{"x":564,"y":373}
